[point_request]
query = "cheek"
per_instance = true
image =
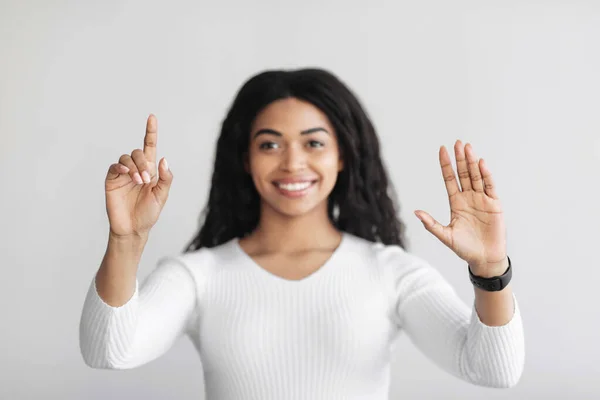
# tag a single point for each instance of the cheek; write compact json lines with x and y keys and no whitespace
{"x":260,"y":166}
{"x":328,"y":162}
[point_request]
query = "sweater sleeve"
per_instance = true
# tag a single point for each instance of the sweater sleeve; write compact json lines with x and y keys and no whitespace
{"x":145,"y":327}
{"x":449,"y":332}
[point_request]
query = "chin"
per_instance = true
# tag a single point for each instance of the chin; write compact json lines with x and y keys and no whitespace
{"x":294,"y":211}
{"x":294,"y":208}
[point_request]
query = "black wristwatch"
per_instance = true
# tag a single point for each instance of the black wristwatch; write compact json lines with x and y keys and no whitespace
{"x":493,"y":284}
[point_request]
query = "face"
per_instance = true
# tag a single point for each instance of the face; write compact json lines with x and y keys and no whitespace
{"x":293,"y":157}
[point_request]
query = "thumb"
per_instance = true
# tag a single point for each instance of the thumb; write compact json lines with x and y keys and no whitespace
{"x":438,"y":230}
{"x":165,"y":177}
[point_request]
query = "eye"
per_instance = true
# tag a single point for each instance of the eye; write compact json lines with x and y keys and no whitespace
{"x":315,"y":143}
{"x":267,"y":145}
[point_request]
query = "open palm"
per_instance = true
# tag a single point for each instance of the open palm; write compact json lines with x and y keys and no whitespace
{"x":476,"y":232}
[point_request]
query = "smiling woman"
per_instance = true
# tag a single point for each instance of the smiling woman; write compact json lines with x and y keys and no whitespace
{"x":298,"y":281}
{"x":299,"y":124}
{"x":299,"y":163}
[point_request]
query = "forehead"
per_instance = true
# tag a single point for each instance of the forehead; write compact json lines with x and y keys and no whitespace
{"x":290,"y":116}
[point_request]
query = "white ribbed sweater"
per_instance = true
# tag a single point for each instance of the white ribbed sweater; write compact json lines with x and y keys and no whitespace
{"x":328,"y":336}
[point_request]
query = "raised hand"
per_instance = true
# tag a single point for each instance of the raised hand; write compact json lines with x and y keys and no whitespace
{"x":476,"y":232}
{"x":135,"y":192}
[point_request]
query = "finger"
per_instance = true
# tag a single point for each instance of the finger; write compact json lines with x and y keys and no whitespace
{"x":461,"y":166}
{"x":488,"y":180}
{"x":151,"y":138}
{"x":438,"y":230}
{"x":474,"y":172}
{"x":127,"y":161}
{"x":165,"y":178}
{"x":448,"y":172}
{"x":142,"y":164}
{"x":115,"y":170}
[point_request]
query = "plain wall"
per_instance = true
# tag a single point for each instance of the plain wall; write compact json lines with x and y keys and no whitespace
{"x":517,"y":79}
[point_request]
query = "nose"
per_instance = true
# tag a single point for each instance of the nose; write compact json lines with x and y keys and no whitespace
{"x":294,"y":159}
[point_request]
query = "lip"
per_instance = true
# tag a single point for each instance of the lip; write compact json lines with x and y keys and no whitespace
{"x":295,"y":180}
{"x":294,"y":194}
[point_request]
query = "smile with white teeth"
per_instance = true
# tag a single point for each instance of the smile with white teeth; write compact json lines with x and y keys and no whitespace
{"x":292,"y":187}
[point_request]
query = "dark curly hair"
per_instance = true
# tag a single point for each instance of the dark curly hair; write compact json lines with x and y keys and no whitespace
{"x":363,"y":201}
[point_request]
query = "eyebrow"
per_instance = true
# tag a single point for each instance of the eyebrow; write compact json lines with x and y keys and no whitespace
{"x":267,"y":131}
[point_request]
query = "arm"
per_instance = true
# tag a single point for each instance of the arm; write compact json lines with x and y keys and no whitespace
{"x":116,"y":277}
{"x":450,"y":333}
{"x":494,"y":308}
{"x":123,"y":325}
{"x":490,"y":353}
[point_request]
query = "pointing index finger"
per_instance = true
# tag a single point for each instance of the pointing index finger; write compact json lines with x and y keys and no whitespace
{"x":151,"y":138}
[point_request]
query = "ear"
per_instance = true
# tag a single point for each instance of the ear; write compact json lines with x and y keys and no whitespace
{"x":340,"y":164}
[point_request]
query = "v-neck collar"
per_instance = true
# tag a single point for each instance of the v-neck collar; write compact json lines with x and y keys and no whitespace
{"x":248,"y":260}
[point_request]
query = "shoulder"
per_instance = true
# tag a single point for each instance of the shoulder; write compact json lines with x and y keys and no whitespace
{"x":397,"y":265}
{"x":202,"y":264}
{"x":382,"y":255}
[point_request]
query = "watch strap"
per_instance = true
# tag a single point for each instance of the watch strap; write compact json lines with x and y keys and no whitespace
{"x":493,"y":284}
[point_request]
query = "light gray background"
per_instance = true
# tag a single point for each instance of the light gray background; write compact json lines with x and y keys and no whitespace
{"x":520,"y":80}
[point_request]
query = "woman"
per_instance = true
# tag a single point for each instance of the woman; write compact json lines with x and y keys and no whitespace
{"x":298,"y":282}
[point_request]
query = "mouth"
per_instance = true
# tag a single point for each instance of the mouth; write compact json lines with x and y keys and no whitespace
{"x":295,"y":189}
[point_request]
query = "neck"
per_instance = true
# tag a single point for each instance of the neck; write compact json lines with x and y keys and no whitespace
{"x":277,"y":232}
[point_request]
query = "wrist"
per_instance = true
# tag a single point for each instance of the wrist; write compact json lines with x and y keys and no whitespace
{"x":127,"y":243}
{"x":490,"y":270}
{"x":135,"y":237}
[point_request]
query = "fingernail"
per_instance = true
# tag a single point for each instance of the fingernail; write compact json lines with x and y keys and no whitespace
{"x":137,"y":178}
{"x":419,"y":216}
{"x":166,"y":164}
{"x":146,"y":176}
